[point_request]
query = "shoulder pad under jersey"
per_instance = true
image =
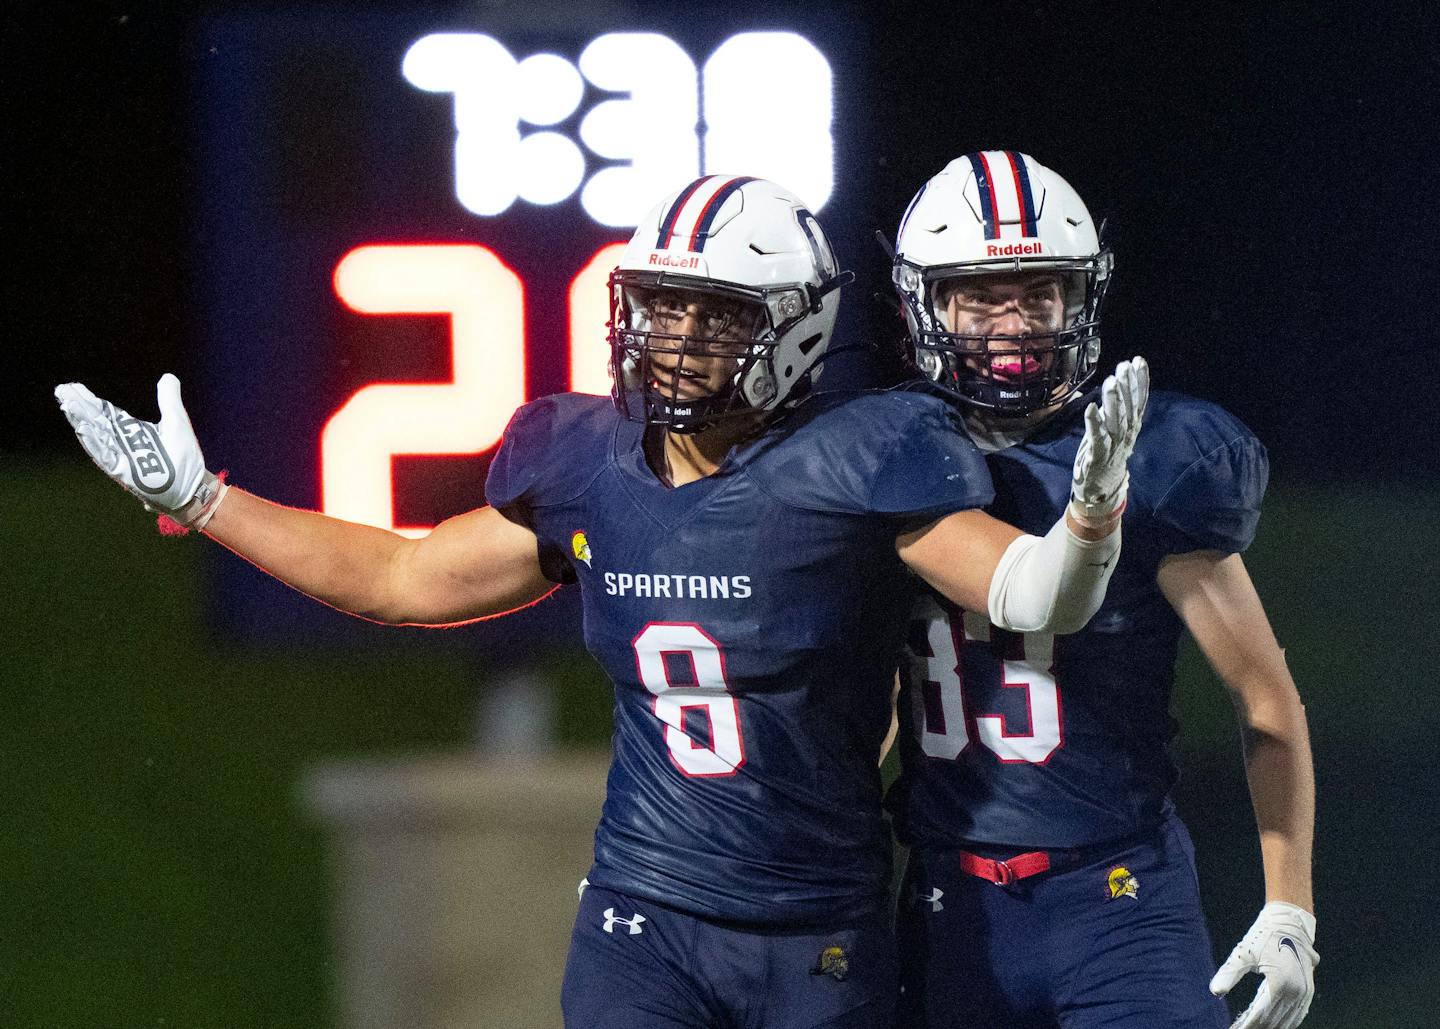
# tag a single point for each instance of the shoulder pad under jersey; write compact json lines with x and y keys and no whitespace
{"x":1200,"y":472}
{"x":892,"y":453}
{"x":552,"y":450}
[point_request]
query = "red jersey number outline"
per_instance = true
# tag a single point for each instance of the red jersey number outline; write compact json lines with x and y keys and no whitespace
{"x":948,"y":723}
{"x":708,"y":688}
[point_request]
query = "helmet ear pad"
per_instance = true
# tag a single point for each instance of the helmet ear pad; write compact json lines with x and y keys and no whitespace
{"x":769,"y":382}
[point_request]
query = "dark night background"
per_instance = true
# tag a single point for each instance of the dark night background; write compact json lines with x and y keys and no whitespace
{"x":1268,"y":173}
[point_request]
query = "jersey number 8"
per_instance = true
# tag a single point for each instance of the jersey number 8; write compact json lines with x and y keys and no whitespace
{"x":658,"y":645}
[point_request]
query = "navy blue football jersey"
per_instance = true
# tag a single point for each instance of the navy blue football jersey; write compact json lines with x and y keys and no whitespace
{"x":1034,"y":740}
{"x":750,"y":622}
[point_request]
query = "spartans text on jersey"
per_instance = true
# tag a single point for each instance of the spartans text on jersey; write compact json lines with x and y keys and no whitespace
{"x":662,"y":584}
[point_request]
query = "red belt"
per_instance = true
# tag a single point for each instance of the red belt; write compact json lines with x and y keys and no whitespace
{"x":1003,"y":873}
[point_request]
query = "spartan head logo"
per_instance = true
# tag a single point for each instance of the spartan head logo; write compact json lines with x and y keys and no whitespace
{"x":1123,"y":883}
{"x":834,"y":962}
{"x":581,"y":547}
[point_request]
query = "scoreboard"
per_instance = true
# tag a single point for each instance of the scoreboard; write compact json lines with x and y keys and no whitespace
{"x":405,"y":225}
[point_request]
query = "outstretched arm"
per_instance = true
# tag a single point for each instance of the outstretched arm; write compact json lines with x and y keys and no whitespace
{"x":1056,"y":582}
{"x":1214,"y":596}
{"x":472,"y":566}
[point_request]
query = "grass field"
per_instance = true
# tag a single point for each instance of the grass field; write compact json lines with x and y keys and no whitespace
{"x":157,"y":870}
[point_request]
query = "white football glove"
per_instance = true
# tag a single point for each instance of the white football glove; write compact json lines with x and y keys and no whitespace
{"x":161,"y":464}
{"x":1281,"y":947}
{"x":1097,"y":489}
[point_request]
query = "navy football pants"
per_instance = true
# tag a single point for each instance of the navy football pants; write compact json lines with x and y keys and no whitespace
{"x":1058,"y":949}
{"x":656,"y":967}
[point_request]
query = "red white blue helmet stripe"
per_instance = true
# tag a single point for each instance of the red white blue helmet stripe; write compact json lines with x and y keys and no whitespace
{"x":667,"y":223}
{"x":1028,"y":214}
{"x":986,"y":189}
{"x":996,"y":189}
{"x":689,"y":218}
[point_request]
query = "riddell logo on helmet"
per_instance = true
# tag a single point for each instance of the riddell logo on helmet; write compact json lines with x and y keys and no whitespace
{"x":1014,"y":249}
{"x":666,"y":260}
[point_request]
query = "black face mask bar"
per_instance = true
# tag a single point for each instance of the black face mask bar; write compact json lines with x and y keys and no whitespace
{"x":637,"y":396}
{"x":1007,"y":375}
{"x":656,"y":404}
{"x":1010,"y":375}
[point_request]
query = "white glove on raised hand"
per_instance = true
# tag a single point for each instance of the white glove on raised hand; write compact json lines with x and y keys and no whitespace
{"x":1281,"y":947}
{"x":1097,"y":489}
{"x":161,"y":464}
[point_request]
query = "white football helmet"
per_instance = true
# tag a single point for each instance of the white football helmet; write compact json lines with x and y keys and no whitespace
{"x":756,"y":261}
{"x":1001,"y":211}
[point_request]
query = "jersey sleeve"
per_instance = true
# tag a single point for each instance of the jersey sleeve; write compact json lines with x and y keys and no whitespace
{"x":549,"y":453}
{"x":511,"y":482}
{"x":931,"y":469}
{"x":897,"y":455}
{"x":1214,"y":502}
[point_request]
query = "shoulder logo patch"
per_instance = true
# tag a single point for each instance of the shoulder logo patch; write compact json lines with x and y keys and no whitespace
{"x":1122,"y":883}
{"x":581,"y":547}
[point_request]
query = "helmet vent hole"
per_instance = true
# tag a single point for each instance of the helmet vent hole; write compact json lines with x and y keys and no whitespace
{"x":808,"y":345}
{"x":789,"y":370}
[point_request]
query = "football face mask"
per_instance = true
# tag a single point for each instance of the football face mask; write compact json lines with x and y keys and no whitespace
{"x":691,"y":350}
{"x":1004,"y":342}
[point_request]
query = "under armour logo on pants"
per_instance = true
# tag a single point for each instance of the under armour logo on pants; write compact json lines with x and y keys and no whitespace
{"x":933,"y":898}
{"x":634,"y":923}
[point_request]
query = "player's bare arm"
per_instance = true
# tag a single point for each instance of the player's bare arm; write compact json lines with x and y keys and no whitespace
{"x":1217,"y":601}
{"x":1215,"y":598}
{"x":471,"y":566}
{"x":1053,"y":583}
{"x":474,"y":565}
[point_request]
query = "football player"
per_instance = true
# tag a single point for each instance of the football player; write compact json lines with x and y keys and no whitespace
{"x":1049,"y":880}
{"x":744,"y":547}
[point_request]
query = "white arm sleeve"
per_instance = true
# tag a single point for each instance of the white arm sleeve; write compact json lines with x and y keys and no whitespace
{"x":1053,"y":583}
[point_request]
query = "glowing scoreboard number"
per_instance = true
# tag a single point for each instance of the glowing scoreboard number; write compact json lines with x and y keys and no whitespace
{"x":775,"y":125}
{"x":484,"y":300}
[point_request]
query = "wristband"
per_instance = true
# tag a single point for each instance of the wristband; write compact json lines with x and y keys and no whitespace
{"x":198,"y":511}
{"x":1098,"y":513}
